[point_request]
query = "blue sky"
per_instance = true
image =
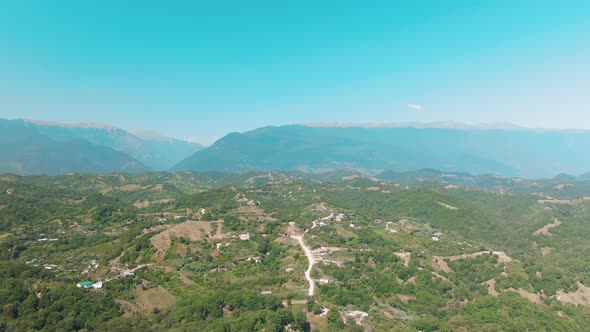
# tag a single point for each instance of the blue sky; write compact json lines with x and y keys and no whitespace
{"x":205,"y":68}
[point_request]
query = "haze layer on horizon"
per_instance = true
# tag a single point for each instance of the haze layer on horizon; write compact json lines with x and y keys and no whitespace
{"x":202,"y":70}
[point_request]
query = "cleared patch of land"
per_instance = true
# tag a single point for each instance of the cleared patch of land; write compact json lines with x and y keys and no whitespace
{"x":579,"y":297}
{"x":491,"y":287}
{"x":450,"y":207}
{"x":545,"y":229}
{"x":564,"y":201}
{"x":154,"y":298}
{"x":131,"y":187}
{"x":405,"y":257}
{"x":193,"y":230}
{"x":439,"y":263}
{"x":534,"y":298}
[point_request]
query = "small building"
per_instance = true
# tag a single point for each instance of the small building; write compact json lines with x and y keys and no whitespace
{"x":85,"y":284}
{"x":325,"y":280}
{"x":435,"y":239}
{"x":245,"y":237}
{"x":266,"y":292}
{"x":97,"y":285}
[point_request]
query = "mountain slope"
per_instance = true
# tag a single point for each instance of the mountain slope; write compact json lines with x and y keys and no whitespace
{"x":24,"y":151}
{"x":157,"y":152}
{"x":477,"y":151}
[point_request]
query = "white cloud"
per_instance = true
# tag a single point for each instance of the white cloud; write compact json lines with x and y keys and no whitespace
{"x":415,"y":107}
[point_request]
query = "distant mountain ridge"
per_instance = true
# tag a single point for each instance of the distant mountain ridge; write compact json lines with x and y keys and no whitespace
{"x":507,"y":152}
{"x":159,"y":153}
{"x":23,"y":150}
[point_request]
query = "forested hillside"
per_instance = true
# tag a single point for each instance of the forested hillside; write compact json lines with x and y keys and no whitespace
{"x":230,"y":251}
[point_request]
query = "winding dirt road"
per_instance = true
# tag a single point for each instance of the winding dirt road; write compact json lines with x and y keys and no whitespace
{"x":310,"y":265}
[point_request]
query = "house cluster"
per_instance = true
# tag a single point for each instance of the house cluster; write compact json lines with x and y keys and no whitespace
{"x":100,"y":284}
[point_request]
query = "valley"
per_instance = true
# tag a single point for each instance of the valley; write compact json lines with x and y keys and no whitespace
{"x":284,"y":251}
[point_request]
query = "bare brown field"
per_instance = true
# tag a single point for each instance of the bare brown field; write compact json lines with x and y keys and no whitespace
{"x":579,"y":297}
{"x":564,"y":201}
{"x":534,"y":298}
{"x":439,"y":262}
{"x":154,"y":298}
{"x":545,"y":229}
{"x":193,"y":230}
{"x":131,"y":187}
{"x":404,"y":256}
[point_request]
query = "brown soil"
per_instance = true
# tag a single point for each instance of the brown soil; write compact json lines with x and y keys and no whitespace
{"x":154,"y":298}
{"x":534,"y":298}
{"x":439,"y":262}
{"x":491,"y":287}
{"x":142,"y":204}
{"x":131,"y":187}
{"x":194,"y":230}
{"x":545,"y":229}
{"x":579,"y":297}
{"x":321,"y":207}
{"x":404,"y":256}
{"x":165,"y":201}
{"x":406,"y":298}
{"x":564,"y":201}
{"x":158,"y":187}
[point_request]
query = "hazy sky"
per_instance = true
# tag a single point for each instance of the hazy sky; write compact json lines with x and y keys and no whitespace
{"x":204,"y":68}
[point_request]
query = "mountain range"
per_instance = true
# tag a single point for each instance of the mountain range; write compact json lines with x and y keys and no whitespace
{"x":506,"y":152}
{"x":34,"y":147}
